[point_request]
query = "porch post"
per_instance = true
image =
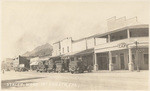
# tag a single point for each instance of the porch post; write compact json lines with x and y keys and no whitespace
{"x":94,"y":41}
{"x":95,"y":65}
{"x":128,"y":33}
{"x":131,"y":65}
{"x":108,"y":38}
{"x":110,"y":61}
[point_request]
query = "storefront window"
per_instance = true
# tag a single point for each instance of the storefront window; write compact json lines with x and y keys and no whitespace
{"x":143,"y":32}
{"x":68,"y":48}
{"x":133,"y":58}
{"x":114,"y":60}
{"x":146,"y":58}
{"x":63,"y":50}
{"x":118,"y":35}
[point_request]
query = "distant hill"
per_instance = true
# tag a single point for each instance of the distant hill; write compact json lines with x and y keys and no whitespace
{"x":40,"y":51}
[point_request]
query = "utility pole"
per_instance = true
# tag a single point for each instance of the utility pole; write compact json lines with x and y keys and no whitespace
{"x":136,"y":50}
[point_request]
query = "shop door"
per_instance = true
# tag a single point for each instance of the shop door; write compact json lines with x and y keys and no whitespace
{"x":122,"y":61}
{"x":67,"y":64}
{"x":103,"y":63}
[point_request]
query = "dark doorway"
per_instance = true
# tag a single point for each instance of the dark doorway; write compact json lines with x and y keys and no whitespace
{"x":122,"y":61}
{"x":67,"y":64}
{"x":88,"y":59}
{"x":102,"y":61}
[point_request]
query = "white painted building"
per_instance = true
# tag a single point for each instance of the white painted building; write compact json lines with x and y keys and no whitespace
{"x":68,"y":45}
{"x":126,"y":49}
{"x":114,"y":50}
{"x":69,"y":50}
{"x":56,"y":49}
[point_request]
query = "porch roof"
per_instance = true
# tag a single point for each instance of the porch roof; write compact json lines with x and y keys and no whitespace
{"x":57,"y":56}
{"x":83,"y":52}
{"x":34,"y":63}
{"x":121,"y":29}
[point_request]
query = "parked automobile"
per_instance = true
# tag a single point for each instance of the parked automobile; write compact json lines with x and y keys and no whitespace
{"x":76,"y":67}
{"x":17,"y":69}
{"x":42,"y":67}
{"x":21,"y":69}
{"x":7,"y":69}
{"x":62,"y":66}
{"x":79,"y":67}
{"x":50,"y":66}
{"x":59,"y":68}
{"x":89,"y":68}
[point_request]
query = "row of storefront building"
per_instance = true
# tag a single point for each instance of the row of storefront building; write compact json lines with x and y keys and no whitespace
{"x":125,"y":46}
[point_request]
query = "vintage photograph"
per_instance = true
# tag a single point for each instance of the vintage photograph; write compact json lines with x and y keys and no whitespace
{"x":74,"y":45}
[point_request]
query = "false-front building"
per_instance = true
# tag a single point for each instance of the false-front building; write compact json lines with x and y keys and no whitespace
{"x":123,"y":47}
{"x":71,"y":50}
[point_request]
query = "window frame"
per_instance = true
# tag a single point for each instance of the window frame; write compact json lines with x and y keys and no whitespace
{"x":113,"y":60}
{"x":144,"y":58}
{"x":68,"y":48}
{"x":63,"y":50}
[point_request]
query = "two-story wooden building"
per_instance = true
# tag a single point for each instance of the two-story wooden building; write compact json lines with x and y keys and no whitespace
{"x":123,"y":47}
{"x":71,"y":50}
{"x":126,"y":48}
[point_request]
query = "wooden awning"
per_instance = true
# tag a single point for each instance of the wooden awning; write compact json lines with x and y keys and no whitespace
{"x":80,"y":53}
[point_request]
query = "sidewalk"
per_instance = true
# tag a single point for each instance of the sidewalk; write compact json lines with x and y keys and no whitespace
{"x":118,"y":71}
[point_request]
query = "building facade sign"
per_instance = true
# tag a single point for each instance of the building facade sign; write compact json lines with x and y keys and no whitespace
{"x":122,"y":45}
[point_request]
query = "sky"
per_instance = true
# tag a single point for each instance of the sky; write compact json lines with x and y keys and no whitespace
{"x":26,"y":25}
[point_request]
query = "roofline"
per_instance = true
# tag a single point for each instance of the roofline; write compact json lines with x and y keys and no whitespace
{"x":62,"y":40}
{"x":79,"y":40}
{"x":56,"y":42}
{"x":109,"y":32}
{"x":83,"y":38}
{"x":66,"y":38}
{"x":122,"y":29}
{"x":121,"y":18}
{"x":111,"y":17}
